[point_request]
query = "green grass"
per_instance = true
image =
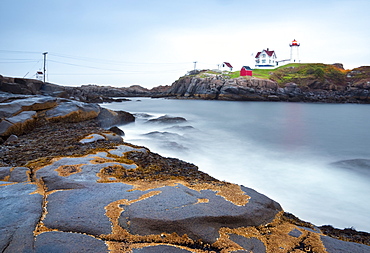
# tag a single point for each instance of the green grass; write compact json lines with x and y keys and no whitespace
{"x":293,"y":72}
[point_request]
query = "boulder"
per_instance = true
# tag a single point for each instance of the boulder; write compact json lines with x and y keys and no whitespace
{"x":109,"y":136}
{"x":11,"y":138}
{"x":166,"y":119}
{"x":108,"y":118}
{"x":117,"y":130}
{"x":33,"y":103}
{"x":337,"y":246}
{"x":198,"y":214}
{"x":72,"y":111}
{"x":19,"y":124}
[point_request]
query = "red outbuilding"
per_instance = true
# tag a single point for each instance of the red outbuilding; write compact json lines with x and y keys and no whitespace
{"x":246,"y":71}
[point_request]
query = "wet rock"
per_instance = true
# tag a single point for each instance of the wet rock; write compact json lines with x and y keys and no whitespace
{"x":68,"y":242}
{"x":33,"y":103}
{"x":72,"y":111}
{"x":181,"y":128}
{"x":117,"y":130}
{"x":108,"y":118}
{"x":20,"y":212}
{"x":336,"y":246}
{"x":166,"y":119}
{"x":82,"y":210}
{"x":163,"y":135}
{"x":109,"y":136}
{"x":249,"y":244}
{"x":92,"y":138}
{"x":112,"y":137}
{"x":19,"y":174}
{"x":11,"y":138}
{"x":358,"y":165}
{"x":122,"y":149}
{"x":295,"y":233}
{"x":4,"y":173}
{"x":177,"y":209}
{"x":23,"y":122}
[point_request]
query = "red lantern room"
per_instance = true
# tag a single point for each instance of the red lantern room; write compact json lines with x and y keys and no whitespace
{"x":294,"y":43}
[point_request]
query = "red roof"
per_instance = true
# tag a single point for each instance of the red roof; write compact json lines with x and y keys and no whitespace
{"x":228,"y":64}
{"x":269,"y":53}
{"x":295,"y":43}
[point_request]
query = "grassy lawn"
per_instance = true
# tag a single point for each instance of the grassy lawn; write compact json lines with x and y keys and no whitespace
{"x":293,"y":72}
{"x":266,"y":73}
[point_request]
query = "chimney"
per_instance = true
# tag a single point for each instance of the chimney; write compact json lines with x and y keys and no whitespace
{"x":267,"y":49}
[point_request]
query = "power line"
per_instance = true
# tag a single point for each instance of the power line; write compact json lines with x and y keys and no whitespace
{"x":18,"y":61}
{"x":95,"y":64}
{"x":31,"y":68}
{"x":84,"y":66}
{"x":16,"y":51}
{"x":113,"y":62}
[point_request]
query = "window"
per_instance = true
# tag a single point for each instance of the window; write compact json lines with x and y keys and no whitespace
{"x":263,"y":56}
{"x":263,"y":61}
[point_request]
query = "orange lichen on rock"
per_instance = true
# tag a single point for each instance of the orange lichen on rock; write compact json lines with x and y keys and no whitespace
{"x":275,"y":236}
{"x":100,"y":160}
{"x":67,"y":170}
{"x":119,"y":234}
{"x":202,"y":201}
{"x":114,"y":210}
{"x":115,"y":172}
{"x":230,"y":192}
{"x":7,"y":183}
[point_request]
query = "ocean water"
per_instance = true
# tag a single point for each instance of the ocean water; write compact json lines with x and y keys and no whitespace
{"x":311,"y":158}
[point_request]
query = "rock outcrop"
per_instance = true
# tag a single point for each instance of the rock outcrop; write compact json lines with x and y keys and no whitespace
{"x":354,"y":88}
{"x":21,"y":114}
{"x":255,"y":89}
{"x":127,"y":199}
{"x":85,"y":93}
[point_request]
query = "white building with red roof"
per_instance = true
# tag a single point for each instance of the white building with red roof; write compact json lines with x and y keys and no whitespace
{"x":266,"y":59}
{"x":226,"y":66}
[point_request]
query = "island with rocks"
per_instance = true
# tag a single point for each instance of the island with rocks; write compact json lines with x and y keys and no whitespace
{"x":69,"y":183}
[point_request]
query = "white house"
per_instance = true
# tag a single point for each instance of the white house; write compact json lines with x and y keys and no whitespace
{"x":226,"y":66}
{"x":266,"y":59}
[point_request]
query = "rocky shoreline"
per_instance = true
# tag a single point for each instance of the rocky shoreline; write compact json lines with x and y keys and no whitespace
{"x":69,"y":183}
{"x":355,"y":88}
{"x":285,"y":85}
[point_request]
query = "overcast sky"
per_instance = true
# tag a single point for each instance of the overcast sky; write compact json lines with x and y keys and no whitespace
{"x":154,"y":42}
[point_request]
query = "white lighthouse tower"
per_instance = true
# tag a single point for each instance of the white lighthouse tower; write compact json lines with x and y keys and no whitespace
{"x":294,"y":53}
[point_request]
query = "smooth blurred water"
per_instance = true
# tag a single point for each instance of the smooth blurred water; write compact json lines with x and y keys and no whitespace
{"x":283,"y":150}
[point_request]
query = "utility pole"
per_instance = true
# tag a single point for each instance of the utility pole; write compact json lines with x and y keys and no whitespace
{"x":45,"y":53}
{"x":195,"y":65}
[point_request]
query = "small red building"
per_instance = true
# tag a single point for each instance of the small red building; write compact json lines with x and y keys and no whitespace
{"x":246,"y":71}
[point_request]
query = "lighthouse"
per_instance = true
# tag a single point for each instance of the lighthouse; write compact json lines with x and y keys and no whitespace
{"x":294,"y":53}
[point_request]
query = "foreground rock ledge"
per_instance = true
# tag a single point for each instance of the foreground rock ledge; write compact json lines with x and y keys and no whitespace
{"x":124,"y":198}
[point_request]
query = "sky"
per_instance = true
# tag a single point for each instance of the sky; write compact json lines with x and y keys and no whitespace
{"x":154,"y":42}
